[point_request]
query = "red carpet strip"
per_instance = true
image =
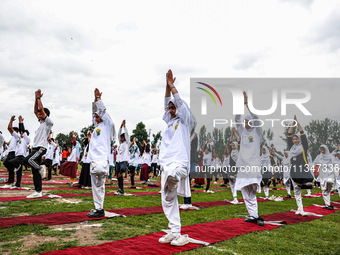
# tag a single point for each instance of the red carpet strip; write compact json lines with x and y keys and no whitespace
{"x":211,"y":232}
{"x":72,"y":217}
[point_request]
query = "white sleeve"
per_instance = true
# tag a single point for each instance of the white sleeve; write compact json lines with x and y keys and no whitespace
{"x":239,"y":126}
{"x":166,"y":116}
{"x":279,"y":156}
{"x":182,"y":110}
{"x":48,"y":122}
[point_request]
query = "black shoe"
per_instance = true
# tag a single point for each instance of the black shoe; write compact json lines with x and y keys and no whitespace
{"x":260,"y":221}
{"x":132,"y":187}
{"x":96,"y":213}
{"x":330,"y":207}
{"x":275,"y":188}
{"x":224,"y":185}
{"x":119,"y":192}
{"x":288,"y":196}
{"x":250,"y":220}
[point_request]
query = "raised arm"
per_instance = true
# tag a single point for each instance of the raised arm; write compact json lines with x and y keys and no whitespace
{"x":38,"y":106}
{"x":236,"y":135}
{"x":10,"y":124}
{"x":21,"y":124}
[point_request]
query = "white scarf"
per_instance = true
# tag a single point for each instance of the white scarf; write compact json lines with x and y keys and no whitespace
{"x":324,"y":158}
{"x":286,"y":160}
{"x":296,"y":149}
{"x":265,"y":157}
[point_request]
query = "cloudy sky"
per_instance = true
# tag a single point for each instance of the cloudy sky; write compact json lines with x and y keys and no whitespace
{"x":68,"y":48}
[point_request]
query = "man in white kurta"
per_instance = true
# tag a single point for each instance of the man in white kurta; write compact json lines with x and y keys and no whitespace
{"x":99,"y":153}
{"x":249,"y":163}
{"x":174,"y":158}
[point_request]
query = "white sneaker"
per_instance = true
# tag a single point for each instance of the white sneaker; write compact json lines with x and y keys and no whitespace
{"x":7,"y":186}
{"x":16,"y":169}
{"x":302,"y":213}
{"x":42,"y":171}
{"x":185,"y":206}
{"x":271,"y":198}
{"x":278,"y":199}
{"x":180,"y":240}
{"x":167,"y":238}
{"x":235,"y":201}
{"x":15,"y":187}
{"x":35,"y":195}
{"x":215,"y":182}
{"x":87,"y":187}
{"x":210,"y":191}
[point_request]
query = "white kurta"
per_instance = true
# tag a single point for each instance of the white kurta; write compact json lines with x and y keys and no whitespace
{"x":249,"y":161}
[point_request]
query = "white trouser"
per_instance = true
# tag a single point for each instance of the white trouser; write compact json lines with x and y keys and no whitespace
{"x":266,"y":190}
{"x":297,"y":194}
{"x":249,"y":196}
{"x":338,"y":185}
{"x":170,"y":178}
{"x":326,"y":192}
{"x":288,"y":188}
{"x":233,"y":187}
{"x":98,"y":170}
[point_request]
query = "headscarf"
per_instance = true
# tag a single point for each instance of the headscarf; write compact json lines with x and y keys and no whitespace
{"x":234,"y":153}
{"x":265,"y":157}
{"x":296,"y":149}
{"x":324,"y":158}
{"x":286,"y":160}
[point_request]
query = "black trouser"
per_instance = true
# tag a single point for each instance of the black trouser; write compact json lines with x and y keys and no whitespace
{"x":187,"y":200}
{"x":208,"y":183}
{"x":132,"y":173}
{"x":9,"y":166}
{"x":121,"y":169}
{"x":154,"y":168}
{"x":48,"y":164}
{"x":16,"y":162}
{"x":34,"y":160}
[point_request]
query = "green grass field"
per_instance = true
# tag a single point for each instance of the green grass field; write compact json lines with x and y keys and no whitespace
{"x":320,"y":236}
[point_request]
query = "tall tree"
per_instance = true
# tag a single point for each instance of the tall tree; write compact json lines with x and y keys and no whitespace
{"x":202,"y":137}
{"x":319,"y":132}
{"x":141,"y":134}
{"x":156,"y":139}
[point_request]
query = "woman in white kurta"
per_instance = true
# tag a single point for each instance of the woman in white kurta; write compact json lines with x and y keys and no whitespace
{"x":174,"y":158}
{"x":285,"y":161}
{"x":249,"y":162}
{"x":266,"y":171}
{"x":327,"y":177}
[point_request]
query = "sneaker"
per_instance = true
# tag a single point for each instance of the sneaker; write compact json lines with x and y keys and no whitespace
{"x":7,"y":186}
{"x":167,"y":238}
{"x":17,"y":169}
{"x":302,"y":213}
{"x":274,"y":188}
{"x":250,"y":219}
{"x":215,"y":182}
{"x":234,"y":202}
{"x":180,"y":240}
{"x":87,"y":187}
{"x":223,"y":185}
{"x":132,"y":187}
{"x":42,"y":171}
{"x":330,"y":207}
{"x":119,"y":192}
{"x":35,"y":195}
{"x":15,"y":187}
{"x":288,"y":196}
{"x":278,"y":199}
{"x":185,"y":206}
{"x":210,"y":191}
{"x":96,"y":213}
{"x":260,"y":221}
{"x":271,"y":198}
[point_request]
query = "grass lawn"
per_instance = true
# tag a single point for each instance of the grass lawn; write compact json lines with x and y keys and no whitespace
{"x":320,"y":236}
